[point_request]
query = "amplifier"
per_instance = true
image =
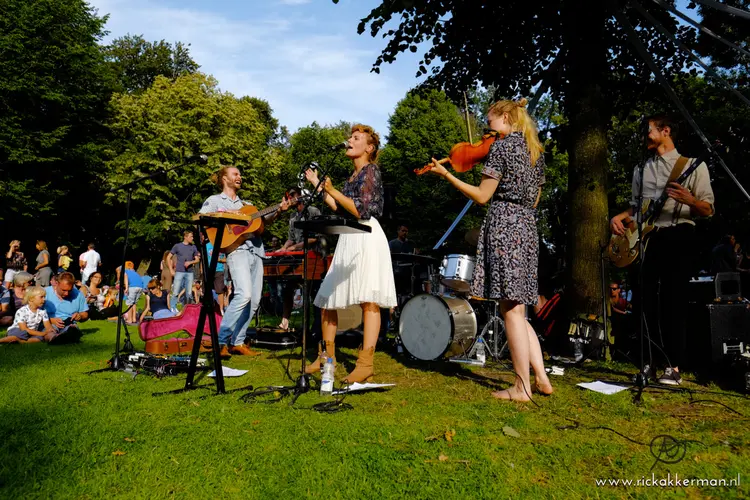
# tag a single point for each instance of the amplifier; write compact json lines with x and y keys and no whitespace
{"x":729,"y":330}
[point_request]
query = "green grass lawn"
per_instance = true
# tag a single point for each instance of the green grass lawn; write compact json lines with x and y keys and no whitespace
{"x":66,"y":434}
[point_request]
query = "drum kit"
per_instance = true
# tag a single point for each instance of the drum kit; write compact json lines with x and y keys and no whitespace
{"x":442,"y":320}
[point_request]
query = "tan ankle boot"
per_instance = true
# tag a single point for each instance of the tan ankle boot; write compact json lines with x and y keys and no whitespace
{"x":363,"y":370}
{"x":314,"y":367}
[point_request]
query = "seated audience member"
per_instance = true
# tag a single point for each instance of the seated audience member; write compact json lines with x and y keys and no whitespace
{"x":6,"y":312}
{"x":21,"y":281}
{"x":31,"y":323}
{"x":133,"y":291}
{"x":157,"y":301}
{"x":723,"y":256}
{"x":15,"y":262}
{"x":65,"y":306}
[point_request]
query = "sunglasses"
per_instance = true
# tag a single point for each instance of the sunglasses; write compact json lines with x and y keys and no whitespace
{"x":614,"y":288}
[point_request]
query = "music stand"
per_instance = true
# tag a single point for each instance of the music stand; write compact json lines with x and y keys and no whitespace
{"x":203,"y":221}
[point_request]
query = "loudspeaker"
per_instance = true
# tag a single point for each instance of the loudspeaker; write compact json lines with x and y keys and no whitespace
{"x":729,"y":329}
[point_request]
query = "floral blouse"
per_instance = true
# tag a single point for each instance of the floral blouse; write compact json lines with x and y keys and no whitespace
{"x":366,"y":190}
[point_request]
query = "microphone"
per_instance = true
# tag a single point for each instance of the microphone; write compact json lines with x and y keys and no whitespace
{"x":340,"y":145}
{"x":201,"y":158}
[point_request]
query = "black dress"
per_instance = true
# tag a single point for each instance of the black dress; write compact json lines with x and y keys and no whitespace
{"x":509,"y":229}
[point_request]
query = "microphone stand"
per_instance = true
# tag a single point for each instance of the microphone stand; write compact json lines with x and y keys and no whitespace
{"x":117,"y":364}
{"x":302,"y":384}
{"x":641,"y":378}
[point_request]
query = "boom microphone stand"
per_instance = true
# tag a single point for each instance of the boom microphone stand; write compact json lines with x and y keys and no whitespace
{"x":117,"y":364}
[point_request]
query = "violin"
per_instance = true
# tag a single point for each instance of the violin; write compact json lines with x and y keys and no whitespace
{"x":464,"y":155}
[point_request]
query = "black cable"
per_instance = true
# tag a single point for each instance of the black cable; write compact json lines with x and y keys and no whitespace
{"x":699,"y":26}
{"x":638,"y":44}
{"x":725,"y":8}
{"x":718,"y":403}
{"x":655,"y":22}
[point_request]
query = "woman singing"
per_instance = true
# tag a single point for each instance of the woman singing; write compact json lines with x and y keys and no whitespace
{"x":361,"y":271}
{"x":508,"y":250}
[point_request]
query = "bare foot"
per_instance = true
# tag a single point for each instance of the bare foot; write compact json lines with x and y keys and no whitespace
{"x":541,"y":388}
{"x":542,"y":385}
{"x":284,"y":325}
{"x":511,"y":394}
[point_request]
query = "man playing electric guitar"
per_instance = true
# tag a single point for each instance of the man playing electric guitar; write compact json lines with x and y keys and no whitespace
{"x":245,"y":263}
{"x":669,"y":256}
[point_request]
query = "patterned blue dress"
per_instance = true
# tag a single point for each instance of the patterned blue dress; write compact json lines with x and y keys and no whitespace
{"x":508,"y":251}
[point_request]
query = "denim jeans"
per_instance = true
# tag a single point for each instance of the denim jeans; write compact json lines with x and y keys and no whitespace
{"x":247,"y":280}
{"x":182,"y":281}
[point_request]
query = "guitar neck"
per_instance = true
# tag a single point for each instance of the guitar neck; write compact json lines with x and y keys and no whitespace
{"x":265,"y":211}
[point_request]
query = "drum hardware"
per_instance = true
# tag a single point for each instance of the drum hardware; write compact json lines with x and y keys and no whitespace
{"x":492,"y":335}
{"x":456,"y":271}
{"x":432,"y":326}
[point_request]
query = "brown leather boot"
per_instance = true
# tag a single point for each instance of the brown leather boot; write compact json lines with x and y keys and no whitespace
{"x":363,"y":370}
{"x":243,"y":350}
{"x":314,"y":367}
{"x":225,"y":352}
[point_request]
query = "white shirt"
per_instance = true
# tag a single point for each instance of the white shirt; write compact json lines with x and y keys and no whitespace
{"x":33,"y":320}
{"x":92,"y":260}
{"x":655,"y":176}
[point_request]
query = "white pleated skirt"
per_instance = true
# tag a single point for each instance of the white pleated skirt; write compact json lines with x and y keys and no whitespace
{"x":361,"y":271}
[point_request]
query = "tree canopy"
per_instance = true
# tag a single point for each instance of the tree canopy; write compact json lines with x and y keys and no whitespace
{"x":587,"y":62}
{"x":54,"y":90}
{"x":172,"y":121}
{"x":136,"y":62}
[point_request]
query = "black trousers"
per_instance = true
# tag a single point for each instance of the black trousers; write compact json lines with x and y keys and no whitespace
{"x":669,"y":260}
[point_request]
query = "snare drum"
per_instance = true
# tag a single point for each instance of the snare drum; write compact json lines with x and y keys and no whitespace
{"x":432,"y":326}
{"x":456,"y":272}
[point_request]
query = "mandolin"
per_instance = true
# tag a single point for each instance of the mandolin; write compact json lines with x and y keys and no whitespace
{"x":623,"y":250}
{"x":235,"y":234}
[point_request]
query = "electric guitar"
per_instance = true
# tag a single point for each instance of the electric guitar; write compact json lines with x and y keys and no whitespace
{"x":235,"y":234}
{"x":623,"y":250}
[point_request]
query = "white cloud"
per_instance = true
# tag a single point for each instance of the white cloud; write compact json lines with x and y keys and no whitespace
{"x":304,"y":75}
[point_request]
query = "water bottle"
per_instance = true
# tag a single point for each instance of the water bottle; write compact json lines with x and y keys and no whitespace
{"x":481,"y":357}
{"x":326,"y":381}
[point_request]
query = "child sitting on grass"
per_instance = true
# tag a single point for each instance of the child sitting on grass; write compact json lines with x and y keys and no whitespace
{"x":29,"y":319}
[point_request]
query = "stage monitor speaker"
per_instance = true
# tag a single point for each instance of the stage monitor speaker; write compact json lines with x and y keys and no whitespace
{"x":728,"y":286}
{"x":730,"y":330}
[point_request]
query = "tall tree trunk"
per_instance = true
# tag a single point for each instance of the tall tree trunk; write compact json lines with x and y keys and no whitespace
{"x":588,"y":153}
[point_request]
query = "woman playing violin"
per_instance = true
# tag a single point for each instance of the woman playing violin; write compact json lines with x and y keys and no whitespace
{"x":361,"y":270}
{"x":508,"y":250}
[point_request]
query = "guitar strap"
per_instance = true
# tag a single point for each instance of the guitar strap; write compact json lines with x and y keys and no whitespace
{"x":679,"y":166}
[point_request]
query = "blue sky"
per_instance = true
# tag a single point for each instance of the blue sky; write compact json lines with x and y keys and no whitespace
{"x":303,"y":56}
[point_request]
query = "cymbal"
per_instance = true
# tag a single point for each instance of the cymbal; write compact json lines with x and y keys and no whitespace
{"x":413,"y":258}
{"x":472,"y":237}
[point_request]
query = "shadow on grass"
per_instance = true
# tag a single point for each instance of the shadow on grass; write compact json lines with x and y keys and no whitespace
{"x":14,"y":356}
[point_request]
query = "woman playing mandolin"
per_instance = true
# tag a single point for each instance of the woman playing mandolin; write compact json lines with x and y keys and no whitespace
{"x":508,"y":250}
{"x":361,"y":270}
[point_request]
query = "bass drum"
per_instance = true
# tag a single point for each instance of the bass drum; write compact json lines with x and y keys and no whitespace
{"x":431,"y":326}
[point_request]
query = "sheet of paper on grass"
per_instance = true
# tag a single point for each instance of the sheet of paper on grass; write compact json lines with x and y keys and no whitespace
{"x":602,"y":387}
{"x":229,"y":372}
{"x":356,"y":386}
